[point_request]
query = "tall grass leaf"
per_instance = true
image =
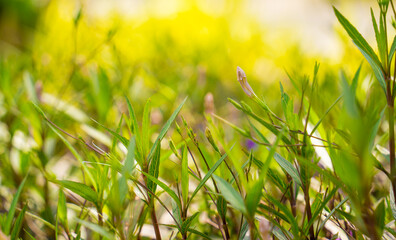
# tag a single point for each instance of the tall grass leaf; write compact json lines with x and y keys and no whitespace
{"x":11,"y":211}
{"x":392,"y":202}
{"x":392,"y":50}
{"x":253,"y":197}
{"x":96,"y":228}
{"x":230,"y":194}
{"x":199,"y":233}
{"x":325,"y":114}
{"x":380,"y":214}
{"x":134,"y":128}
{"x":288,"y":167}
{"x":18,"y":223}
{"x":279,"y":234}
{"x":261,"y":136}
{"x":29,"y":85}
{"x":184,"y":175}
{"x":221,"y":206}
{"x":75,"y":153}
{"x":207,"y":176}
{"x":187,"y":223}
{"x":244,"y":230}
{"x":364,"y":48}
{"x":130,"y":158}
{"x":154,"y":168}
{"x":166,"y":127}
{"x":62,"y":209}
{"x":379,"y":36}
{"x":122,"y":139}
{"x":331,"y":214}
{"x":319,"y":209}
{"x":81,"y":189}
{"x":165,"y":187}
{"x":287,"y":212}
{"x":236,"y":128}
{"x":146,"y":128}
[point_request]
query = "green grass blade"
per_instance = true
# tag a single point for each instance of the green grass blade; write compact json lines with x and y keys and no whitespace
{"x":331,"y":214}
{"x":187,"y":223}
{"x":154,"y":168}
{"x":288,"y":167}
{"x":230,"y":194}
{"x":207,"y":176}
{"x":96,"y":228}
{"x":62,"y":209}
{"x":146,"y":128}
{"x":325,"y":114}
{"x":165,"y":187}
{"x":199,"y":233}
{"x":166,"y":127}
{"x":253,"y":197}
{"x":184,"y":175}
{"x":392,"y":50}
{"x":11,"y":211}
{"x":130,"y":158}
{"x":81,"y":189}
{"x":18,"y":223}
{"x":364,"y":48}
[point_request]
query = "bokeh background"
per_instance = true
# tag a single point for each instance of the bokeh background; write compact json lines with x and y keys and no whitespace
{"x":77,"y":60}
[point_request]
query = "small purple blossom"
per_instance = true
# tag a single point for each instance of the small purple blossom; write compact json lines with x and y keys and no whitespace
{"x":250,"y":144}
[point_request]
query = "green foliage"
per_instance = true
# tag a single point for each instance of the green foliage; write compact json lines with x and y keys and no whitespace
{"x":313,"y":160}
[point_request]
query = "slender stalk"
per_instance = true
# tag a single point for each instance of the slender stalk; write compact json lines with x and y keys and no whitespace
{"x":392,"y":146}
{"x":252,"y":229}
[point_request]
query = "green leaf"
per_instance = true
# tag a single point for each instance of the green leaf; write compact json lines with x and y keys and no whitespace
{"x":134,"y":128}
{"x":380,"y":37}
{"x":81,"y":189}
{"x":146,"y":128}
{"x":11,"y":211}
{"x":165,"y":187}
{"x":364,"y":48}
{"x":392,"y":202}
{"x":167,"y":125}
{"x":380,"y":214}
{"x":253,"y":197}
{"x":221,"y":205}
{"x":184,"y":175}
{"x":288,"y":167}
{"x":392,"y":50}
{"x":331,"y":214}
{"x":230,"y":194}
{"x":207,"y":176}
{"x":18,"y":223}
{"x":62,"y":209}
{"x":187,"y":223}
{"x":130,"y":158}
{"x":154,"y":168}
{"x":96,"y":228}
{"x":324,"y":115}
{"x":282,"y":208}
{"x":199,"y":233}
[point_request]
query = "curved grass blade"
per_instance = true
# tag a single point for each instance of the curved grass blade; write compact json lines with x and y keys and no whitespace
{"x":11,"y":212}
{"x":230,"y":194}
{"x":364,"y":48}
{"x":166,"y":127}
{"x":18,"y":223}
{"x":207,"y":176}
{"x":81,"y":189}
{"x":165,"y":187}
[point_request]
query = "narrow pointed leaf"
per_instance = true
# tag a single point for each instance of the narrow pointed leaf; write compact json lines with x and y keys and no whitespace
{"x":230,"y":194}
{"x":11,"y":211}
